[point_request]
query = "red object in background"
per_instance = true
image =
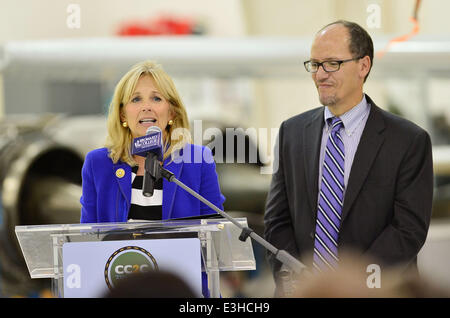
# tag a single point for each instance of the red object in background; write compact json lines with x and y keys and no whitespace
{"x":134,"y":30}
{"x":406,"y":37}
{"x":161,"y":26}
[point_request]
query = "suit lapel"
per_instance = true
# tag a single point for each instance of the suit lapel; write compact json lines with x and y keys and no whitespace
{"x":169,"y":188}
{"x":369,"y":144}
{"x":122,"y":173}
{"x":311,"y":140}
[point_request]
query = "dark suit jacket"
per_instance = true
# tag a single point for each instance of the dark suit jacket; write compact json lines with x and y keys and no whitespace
{"x":387,"y":205}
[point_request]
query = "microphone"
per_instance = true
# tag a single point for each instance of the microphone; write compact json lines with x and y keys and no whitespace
{"x":150,"y":147}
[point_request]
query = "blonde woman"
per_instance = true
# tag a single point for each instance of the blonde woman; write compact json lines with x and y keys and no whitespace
{"x":112,"y":176}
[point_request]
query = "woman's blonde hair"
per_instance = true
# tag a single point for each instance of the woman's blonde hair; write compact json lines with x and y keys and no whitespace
{"x":119,"y":138}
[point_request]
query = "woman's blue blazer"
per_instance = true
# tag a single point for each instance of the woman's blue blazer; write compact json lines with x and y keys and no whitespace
{"x":106,"y":194}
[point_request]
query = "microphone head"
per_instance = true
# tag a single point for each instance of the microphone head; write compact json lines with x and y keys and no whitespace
{"x":153,"y":130}
{"x":151,"y":142}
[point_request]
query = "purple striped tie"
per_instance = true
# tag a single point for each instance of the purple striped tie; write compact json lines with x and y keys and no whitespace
{"x":331,"y":199}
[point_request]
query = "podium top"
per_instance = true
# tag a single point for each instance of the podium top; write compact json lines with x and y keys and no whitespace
{"x":38,"y":242}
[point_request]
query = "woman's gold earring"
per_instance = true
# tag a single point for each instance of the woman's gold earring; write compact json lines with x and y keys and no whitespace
{"x":170,"y":123}
{"x":125,"y":124}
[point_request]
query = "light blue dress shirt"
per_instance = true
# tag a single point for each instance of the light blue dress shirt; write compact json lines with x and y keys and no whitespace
{"x":354,"y":122}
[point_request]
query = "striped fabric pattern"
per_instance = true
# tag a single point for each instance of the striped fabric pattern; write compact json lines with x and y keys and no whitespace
{"x":331,"y":200}
{"x":144,"y":208}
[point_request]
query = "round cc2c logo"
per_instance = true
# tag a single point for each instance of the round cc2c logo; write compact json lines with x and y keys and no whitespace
{"x":126,"y":261}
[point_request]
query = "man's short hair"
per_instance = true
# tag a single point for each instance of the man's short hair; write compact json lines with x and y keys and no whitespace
{"x":360,"y":41}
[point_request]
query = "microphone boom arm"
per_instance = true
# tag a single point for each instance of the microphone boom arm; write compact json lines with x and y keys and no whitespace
{"x":281,"y":255}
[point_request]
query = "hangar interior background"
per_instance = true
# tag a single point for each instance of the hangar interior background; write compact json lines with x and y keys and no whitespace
{"x":236,"y":63}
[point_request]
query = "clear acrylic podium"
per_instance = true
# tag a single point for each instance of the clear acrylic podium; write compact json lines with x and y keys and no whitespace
{"x":221,"y":249}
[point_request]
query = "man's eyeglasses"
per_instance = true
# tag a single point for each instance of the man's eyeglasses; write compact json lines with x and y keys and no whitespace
{"x":328,"y":66}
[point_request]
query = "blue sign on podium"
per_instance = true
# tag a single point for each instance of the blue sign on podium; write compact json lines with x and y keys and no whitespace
{"x":90,"y":268}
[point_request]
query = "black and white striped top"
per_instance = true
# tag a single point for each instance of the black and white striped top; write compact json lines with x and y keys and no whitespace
{"x":144,"y":208}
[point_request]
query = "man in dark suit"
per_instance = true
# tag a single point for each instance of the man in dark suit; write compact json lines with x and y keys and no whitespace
{"x":350,"y":175}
